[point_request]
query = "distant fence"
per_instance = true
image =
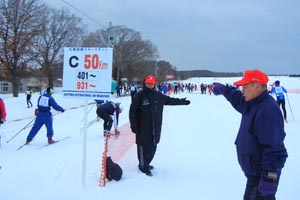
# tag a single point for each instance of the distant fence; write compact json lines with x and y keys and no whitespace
{"x":296,"y":91}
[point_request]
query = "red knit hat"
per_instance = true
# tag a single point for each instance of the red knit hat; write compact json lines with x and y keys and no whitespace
{"x":150,"y":79}
{"x":252,"y":76}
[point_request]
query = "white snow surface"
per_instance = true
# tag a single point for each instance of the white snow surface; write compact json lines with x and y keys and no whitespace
{"x":196,"y":158}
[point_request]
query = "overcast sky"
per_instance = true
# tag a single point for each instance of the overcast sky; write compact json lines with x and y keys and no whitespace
{"x":216,"y":35}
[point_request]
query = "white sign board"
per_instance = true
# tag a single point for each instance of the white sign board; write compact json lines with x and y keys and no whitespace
{"x":87,"y":72}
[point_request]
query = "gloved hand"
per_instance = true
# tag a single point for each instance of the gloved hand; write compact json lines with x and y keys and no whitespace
{"x":36,"y":111}
{"x":186,"y":102}
{"x":117,"y":133}
{"x":268,"y":183}
{"x":63,"y":110}
{"x":218,"y":88}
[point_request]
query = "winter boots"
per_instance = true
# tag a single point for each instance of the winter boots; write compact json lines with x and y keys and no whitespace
{"x":146,"y":171}
{"x":50,"y":141}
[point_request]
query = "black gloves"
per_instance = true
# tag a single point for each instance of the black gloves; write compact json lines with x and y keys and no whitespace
{"x":186,"y":102}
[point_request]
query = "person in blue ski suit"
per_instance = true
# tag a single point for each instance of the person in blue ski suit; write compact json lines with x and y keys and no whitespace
{"x":279,"y":92}
{"x":260,"y":141}
{"x":44,"y":116}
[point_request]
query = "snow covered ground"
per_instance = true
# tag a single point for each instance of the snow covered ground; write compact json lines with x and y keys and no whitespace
{"x":196,"y":157}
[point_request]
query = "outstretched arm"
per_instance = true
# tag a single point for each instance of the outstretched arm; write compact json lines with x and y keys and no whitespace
{"x":176,"y":101}
{"x":233,"y":95}
{"x":55,"y":106}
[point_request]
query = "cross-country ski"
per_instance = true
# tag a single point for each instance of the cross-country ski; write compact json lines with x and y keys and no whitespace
{"x":56,"y":141}
{"x":45,"y":144}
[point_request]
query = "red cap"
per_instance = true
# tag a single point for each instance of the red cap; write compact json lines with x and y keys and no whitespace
{"x":150,"y":79}
{"x":252,"y":76}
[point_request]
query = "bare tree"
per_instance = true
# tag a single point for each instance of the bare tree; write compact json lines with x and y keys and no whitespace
{"x":138,"y":55}
{"x":130,"y":54}
{"x":20,"y":24}
{"x":164,"y":69}
{"x":59,"y":29}
{"x":98,"y":38}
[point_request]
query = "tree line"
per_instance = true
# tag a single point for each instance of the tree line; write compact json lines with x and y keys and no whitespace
{"x":33,"y":36}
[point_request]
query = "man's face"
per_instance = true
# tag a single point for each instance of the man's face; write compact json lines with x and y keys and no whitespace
{"x":150,"y":85}
{"x":251,"y":90}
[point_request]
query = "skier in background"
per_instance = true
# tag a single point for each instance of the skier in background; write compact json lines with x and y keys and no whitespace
{"x":29,"y":92}
{"x":279,"y":92}
{"x":139,"y":86}
{"x":133,"y":90}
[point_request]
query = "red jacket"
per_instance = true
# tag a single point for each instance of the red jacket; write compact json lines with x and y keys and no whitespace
{"x":2,"y":110}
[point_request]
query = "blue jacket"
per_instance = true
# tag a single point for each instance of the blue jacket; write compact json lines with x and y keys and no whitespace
{"x":46,"y":101}
{"x":279,"y":91}
{"x":260,"y":140}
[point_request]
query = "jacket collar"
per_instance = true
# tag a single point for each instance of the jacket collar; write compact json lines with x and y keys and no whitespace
{"x":147,"y":89}
{"x":258,"y":99}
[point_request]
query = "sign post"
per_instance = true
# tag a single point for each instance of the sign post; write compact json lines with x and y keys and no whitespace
{"x":87,"y":75}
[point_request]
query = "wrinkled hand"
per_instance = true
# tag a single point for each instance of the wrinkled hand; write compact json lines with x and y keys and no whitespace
{"x":267,"y":185}
{"x":218,"y":88}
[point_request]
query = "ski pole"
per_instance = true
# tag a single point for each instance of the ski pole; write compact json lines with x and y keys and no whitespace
{"x":90,"y":109}
{"x":287,"y":97}
{"x":20,"y":131}
{"x":90,"y":123}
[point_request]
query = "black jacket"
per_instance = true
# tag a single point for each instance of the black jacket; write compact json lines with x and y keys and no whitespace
{"x":146,"y":112}
{"x":109,"y":108}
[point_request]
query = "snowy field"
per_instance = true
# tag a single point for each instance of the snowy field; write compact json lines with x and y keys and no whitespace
{"x":196,"y":158}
